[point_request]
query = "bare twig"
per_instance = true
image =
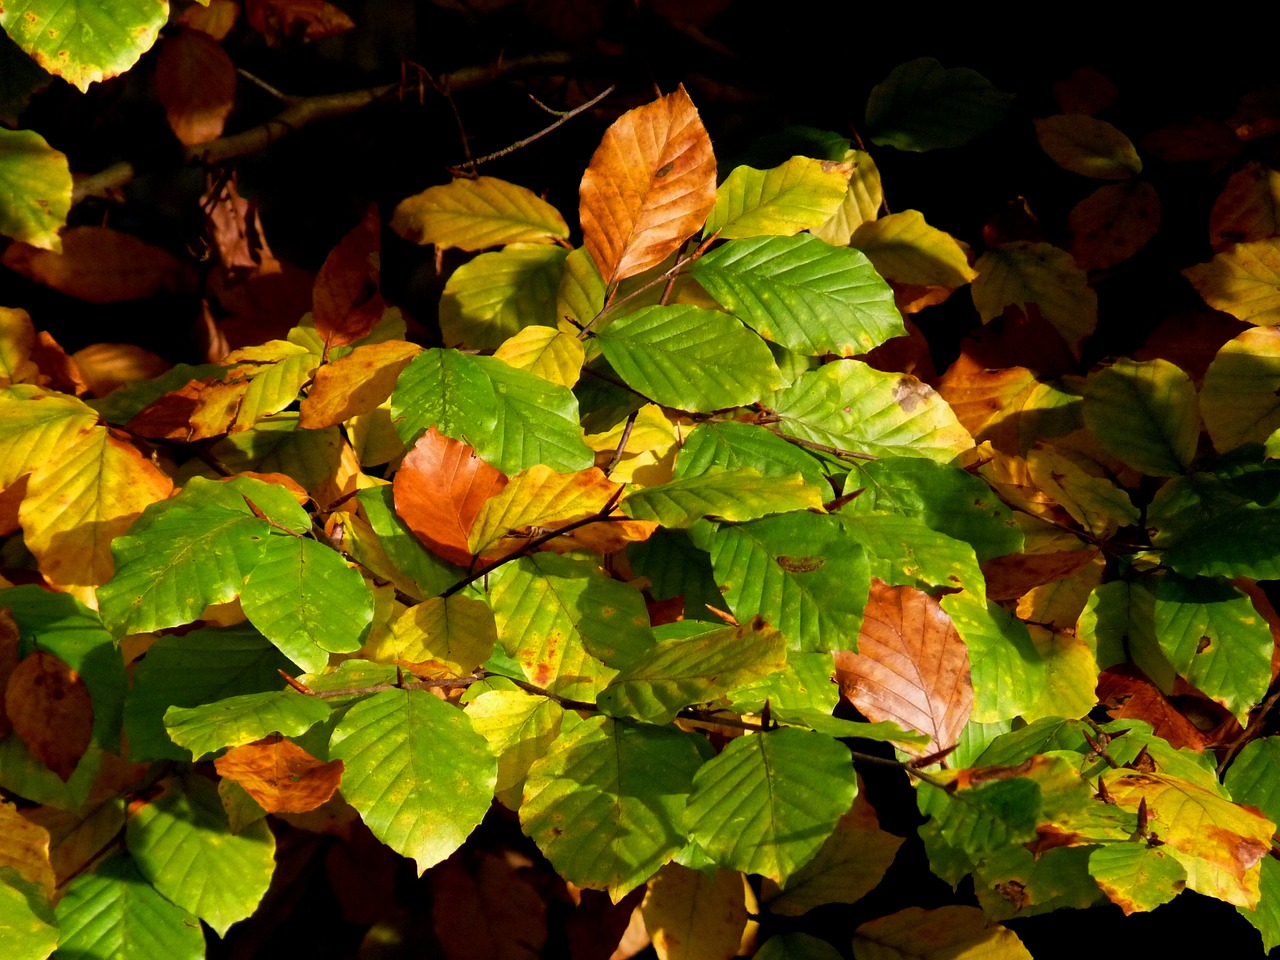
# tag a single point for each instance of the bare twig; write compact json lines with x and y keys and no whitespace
{"x":622,"y":444}
{"x":564,"y":116}
{"x":306,"y":110}
{"x":822,"y":447}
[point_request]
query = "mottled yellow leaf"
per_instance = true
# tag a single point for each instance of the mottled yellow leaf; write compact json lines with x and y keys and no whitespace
{"x":1243,"y":281}
{"x":476,"y":214}
{"x":545,"y":352}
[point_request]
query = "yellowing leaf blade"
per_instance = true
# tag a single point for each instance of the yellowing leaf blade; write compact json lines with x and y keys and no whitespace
{"x":476,"y":214}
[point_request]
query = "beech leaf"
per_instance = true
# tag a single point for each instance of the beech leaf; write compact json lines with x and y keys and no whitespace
{"x":476,"y":214}
{"x":280,"y":775}
{"x":801,"y":194}
{"x":196,"y":84}
{"x":49,"y":708}
{"x":1242,"y":281}
{"x":36,"y":183}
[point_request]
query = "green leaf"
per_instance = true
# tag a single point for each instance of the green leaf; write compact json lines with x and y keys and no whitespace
{"x":180,"y":556}
{"x":1021,"y":273}
{"x":233,"y":721}
{"x":432,"y":574}
{"x":475,"y":214}
{"x":726,"y":444}
{"x":677,"y":673}
{"x":419,"y":774}
{"x":35,"y":182}
{"x":732,"y":494}
{"x":801,"y":194}
{"x":947,"y":499}
{"x":514,"y":419}
{"x":197,"y":668}
{"x":984,"y":818}
{"x":1056,"y":879}
{"x":83,"y":41}
{"x":1118,"y":622}
{"x":1009,"y":675}
{"x":768,"y":802}
{"x":488,"y":299}
{"x":1135,"y":876}
{"x":580,"y":295}
{"x":520,"y":728}
{"x":689,"y":358}
{"x":604,"y":804}
{"x":677,"y":568}
{"x":1266,"y":918}
{"x":1215,"y":638}
{"x":279,"y":445}
{"x":307,"y":601}
{"x":1239,"y":397}
{"x":923,"y":105}
{"x":182,"y":843}
{"x":558,"y":617}
{"x":799,"y":571}
{"x":1145,"y":413}
{"x":27,"y":925}
{"x":798,"y":291}
{"x":115,"y":912}
{"x":904,"y":552}
{"x":851,"y":406}
{"x":1252,"y":777}
{"x":797,"y":946}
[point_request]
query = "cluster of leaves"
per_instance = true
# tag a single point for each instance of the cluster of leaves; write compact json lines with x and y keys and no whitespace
{"x":600,"y":556}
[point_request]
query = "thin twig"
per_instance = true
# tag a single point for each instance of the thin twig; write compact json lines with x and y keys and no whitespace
{"x":380,"y":687}
{"x":1249,"y":732}
{"x":622,"y":444}
{"x":564,"y":118}
{"x":910,"y":770}
{"x":259,"y":82}
{"x":306,"y":110}
{"x":822,"y":447}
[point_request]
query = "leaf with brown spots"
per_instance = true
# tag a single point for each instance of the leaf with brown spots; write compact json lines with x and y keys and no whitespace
{"x":50,"y":710}
{"x":911,"y":667}
{"x":280,"y":775}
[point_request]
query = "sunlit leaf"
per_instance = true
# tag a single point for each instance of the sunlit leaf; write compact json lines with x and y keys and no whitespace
{"x":650,"y":186}
{"x":115,"y":912}
{"x":419,"y":774}
{"x":545,"y":352}
{"x":490,"y":298}
{"x":1088,"y":146}
{"x":1145,"y":413}
{"x":1251,"y":778}
{"x":689,"y":358}
{"x":180,"y":841}
{"x":457,"y":631}
{"x":1247,"y":209}
{"x":542,"y":499}
{"x":1242,"y":281}
{"x":354,"y":384}
{"x":1239,"y":399}
{"x":1136,"y":877}
{"x":734,"y":494}
{"x":84,"y":41}
{"x":911,"y":667}
{"x":36,"y":183}
{"x":27,"y":924}
{"x":691,"y":914}
{"x":233,"y":721}
{"x":902,"y":247}
{"x":1022,"y":274}
{"x":801,"y":194}
{"x":475,"y":214}
{"x":803,"y":294}
{"x":862,"y":201}
{"x":768,"y":801}
{"x":520,"y":728}
{"x":923,"y":105}
{"x":1009,"y":676}
{"x":951,"y":931}
{"x":280,"y":776}
{"x":1113,"y":223}
{"x":728,"y":444}
{"x":1096,"y":503}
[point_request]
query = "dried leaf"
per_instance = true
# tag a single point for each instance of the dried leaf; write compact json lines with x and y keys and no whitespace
{"x":281,"y":20}
{"x":911,"y":667}
{"x":102,"y":266}
{"x":51,"y":712}
{"x":355,"y":384}
{"x":650,"y":186}
{"x":346,"y":304}
{"x":280,"y":775}
{"x":1113,"y":223}
{"x":216,"y":19}
{"x":440,"y":489}
{"x":196,"y":84}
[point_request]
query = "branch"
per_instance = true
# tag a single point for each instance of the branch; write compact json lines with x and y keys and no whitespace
{"x":305,"y":110}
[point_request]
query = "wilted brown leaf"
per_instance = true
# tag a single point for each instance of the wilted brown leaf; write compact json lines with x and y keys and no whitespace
{"x":50,"y":710}
{"x":1113,"y":223}
{"x":345,"y":302}
{"x":24,"y":846}
{"x":1127,"y":694}
{"x":911,"y":667}
{"x":281,"y":20}
{"x":439,"y":490}
{"x":280,"y":775}
{"x":483,"y":908}
{"x":650,"y":186}
{"x":196,"y":84}
{"x":101,"y":265}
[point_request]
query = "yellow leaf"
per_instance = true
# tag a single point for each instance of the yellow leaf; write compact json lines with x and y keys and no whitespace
{"x":1219,"y":843}
{"x":545,"y":352}
{"x":1248,"y":208}
{"x":692,"y":915}
{"x":649,"y":455}
{"x":902,"y":247}
{"x":476,"y":214}
{"x":947,"y":933}
{"x":1088,"y":146}
{"x":24,"y":846}
{"x":861,"y":204}
{"x":1095,"y":503}
{"x":538,"y":498}
{"x":1239,"y":399}
{"x":801,"y":194}
{"x":1020,"y":274}
{"x":17,"y":340}
{"x":456,"y":632}
{"x":649,"y":187}
{"x":355,"y":384}
{"x":1071,"y":675}
{"x":1243,"y":281}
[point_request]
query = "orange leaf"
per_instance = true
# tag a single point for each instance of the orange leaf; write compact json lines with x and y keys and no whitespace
{"x":196,"y":84}
{"x":354,"y":384}
{"x":280,"y":20}
{"x":280,"y":775}
{"x":978,"y":394}
{"x":1012,"y":575}
{"x":439,"y":490}
{"x":49,"y":707}
{"x":650,"y":186}
{"x":106,"y":366}
{"x":911,"y":666}
{"x":345,"y":302}
{"x":101,"y":265}
{"x":1129,"y":695}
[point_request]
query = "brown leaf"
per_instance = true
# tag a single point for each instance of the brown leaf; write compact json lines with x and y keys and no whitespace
{"x":57,"y":369}
{"x":911,"y":667}
{"x":482,"y":908}
{"x":280,"y":775}
{"x":439,"y":490}
{"x":281,"y":20}
{"x":216,"y":19}
{"x":106,"y":366}
{"x":1194,"y":141}
{"x":196,"y":84}
{"x":650,"y":186}
{"x":24,"y":846}
{"x":51,"y":712}
{"x":10,"y":654}
{"x":1010,"y":576}
{"x":597,"y":925}
{"x":233,"y":226}
{"x":1113,"y":223}
{"x":1248,"y":208}
{"x":345,"y":302}
{"x":909,"y":354}
{"x":1127,"y":694}
{"x":1087,"y":90}
{"x":101,"y":265}
{"x":1191,"y":339}
{"x":168,"y":417}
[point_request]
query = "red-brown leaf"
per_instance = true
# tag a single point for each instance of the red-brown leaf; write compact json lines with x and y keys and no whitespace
{"x":280,"y":775}
{"x":51,"y":712}
{"x":280,"y":20}
{"x":911,"y":666}
{"x":345,"y":302}
{"x":196,"y":84}
{"x":101,"y":265}
{"x":439,"y":490}
{"x":650,"y":186}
